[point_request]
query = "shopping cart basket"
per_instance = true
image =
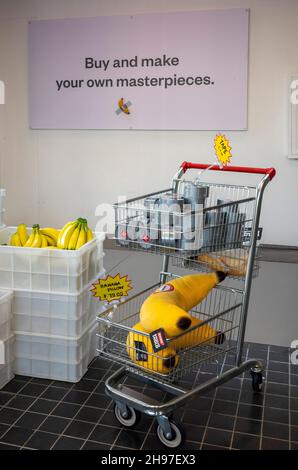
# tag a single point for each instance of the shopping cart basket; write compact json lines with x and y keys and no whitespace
{"x":225,"y":238}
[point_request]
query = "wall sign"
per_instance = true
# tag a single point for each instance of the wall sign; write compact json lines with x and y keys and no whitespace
{"x":184,"y":70}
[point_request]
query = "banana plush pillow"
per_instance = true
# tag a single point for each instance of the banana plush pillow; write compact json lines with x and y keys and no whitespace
{"x":140,"y":350}
{"x":168,"y":307}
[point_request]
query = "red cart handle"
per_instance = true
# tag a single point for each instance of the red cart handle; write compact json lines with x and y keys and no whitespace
{"x":240,"y":169}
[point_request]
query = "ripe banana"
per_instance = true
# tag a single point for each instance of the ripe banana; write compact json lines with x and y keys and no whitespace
{"x":90,"y":235}
{"x":22,"y":233}
{"x":197,"y":335}
{"x":51,"y":234}
{"x":15,"y":240}
{"x":168,"y":307}
{"x":37,"y":241}
{"x":30,"y":239}
{"x":82,"y":236}
{"x":44,"y":241}
{"x":74,"y":237}
{"x":140,"y":351}
{"x":65,"y":234}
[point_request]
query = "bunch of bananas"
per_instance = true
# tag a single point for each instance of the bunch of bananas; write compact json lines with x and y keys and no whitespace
{"x":39,"y":238}
{"x":74,"y":235}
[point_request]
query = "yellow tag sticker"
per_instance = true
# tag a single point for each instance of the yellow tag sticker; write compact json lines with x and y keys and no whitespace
{"x":222,"y":149}
{"x":111,"y":288}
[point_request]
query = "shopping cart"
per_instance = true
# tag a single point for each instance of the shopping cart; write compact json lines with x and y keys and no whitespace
{"x":220,"y":232}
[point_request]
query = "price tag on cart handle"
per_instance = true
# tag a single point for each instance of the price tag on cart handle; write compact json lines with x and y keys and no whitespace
{"x":222,"y":149}
{"x":111,"y":288}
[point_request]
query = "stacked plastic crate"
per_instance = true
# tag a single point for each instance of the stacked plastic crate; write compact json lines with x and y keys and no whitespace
{"x":6,"y":338}
{"x":53,"y":311}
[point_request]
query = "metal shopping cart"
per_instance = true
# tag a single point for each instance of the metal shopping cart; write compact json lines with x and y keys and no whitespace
{"x":195,"y":225}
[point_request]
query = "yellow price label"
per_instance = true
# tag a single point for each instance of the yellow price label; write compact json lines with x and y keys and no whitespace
{"x":222,"y":149}
{"x":111,"y":288}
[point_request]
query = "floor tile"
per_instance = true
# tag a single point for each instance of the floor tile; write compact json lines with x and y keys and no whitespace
{"x":276,"y":430}
{"x":5,"y":397}
{"x":277,"y":389}
{"x":245,"y":442}
{"x":218,"y":437}
{"x":3,"y":429}
{"x":33,"y":390}
{"x":76,"y":396}
{"x":294,"y":433}
{"x":250,"y":411}
{"x":80,"y":429}
{"x":17,"y":435}
{"x":104,"y":434}
{"x":278,"y":366}
{"x":41,"y":440}
{"x":227,"y":394}
{"x":30,"y":420}
{"x":276,"y":415}
{"x":20,"y":402}
{"x":194,"y":433}
{"x":68,"y":443}
{"x":224,"y":407}
{"x":66,"y":410}
{"x":43,"y":406}
{"x":198,"y":418}
{"x":98,"y":401}
{"x":251,"y":398}
{"x":4,"y":446}
{"x":54,"y":393}
{"x":14,"y":386}
{"x":86,"y":385}
{"x":274,"y":444}
{"x":278,"y":377}
{"x":277,"y":401}
{"x":248,"y":426}
{"x":90,"y":414}
{"x":95,"y":446}
{"x":54,"y":424}
{"x":131,"y":439}
{"x":220,"y":421}
{"x":9,"y":416}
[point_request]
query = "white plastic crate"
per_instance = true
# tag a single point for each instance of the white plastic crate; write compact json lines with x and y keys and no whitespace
{"x":5,"y":313}
{"x":55,"y":314}
{"x":6,"y":369}
{"x":55,"y":358}
{"x":39,"y":269}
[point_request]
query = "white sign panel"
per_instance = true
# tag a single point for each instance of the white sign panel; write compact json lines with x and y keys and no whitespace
{"x":184,"y":70}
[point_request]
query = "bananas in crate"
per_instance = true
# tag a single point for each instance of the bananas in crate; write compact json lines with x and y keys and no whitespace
{"x":72,"y":236}
{"x":168,"y":307}
{"x":140,"y":351}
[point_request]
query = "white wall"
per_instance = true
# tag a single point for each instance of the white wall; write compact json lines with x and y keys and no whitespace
{"x":53,"y":176}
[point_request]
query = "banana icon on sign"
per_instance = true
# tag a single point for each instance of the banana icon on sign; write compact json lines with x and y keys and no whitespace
{"x":123,"y":107}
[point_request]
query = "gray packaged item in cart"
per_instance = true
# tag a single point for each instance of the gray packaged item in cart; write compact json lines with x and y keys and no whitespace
{"x":171,"y":219}
{"x":194,"y":194}
{"x":193,"y":221}
{"x":214,"y":230}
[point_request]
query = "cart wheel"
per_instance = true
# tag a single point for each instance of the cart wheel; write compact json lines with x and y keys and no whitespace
{"x":176,"y":439}
{"x":132,"y":418}
{"x":257,"y":381}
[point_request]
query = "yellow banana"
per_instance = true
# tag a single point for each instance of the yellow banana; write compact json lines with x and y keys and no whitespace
{"x":90,"y":235}
{"x":140,"y":351}
{"x":65,"y":234}
{"x":22,"y":233}
{"x":168,"y":307}
{"x":44,"y":241}
{"x":50,"y":240}
{"x":51,"y":233}
{"x":30,"y":239}
{"x":37,"y":242}
{"x":82,"y":237}
{"x":74,"y":238}
{"x":197,"y":335}
{"x":12,"y":240}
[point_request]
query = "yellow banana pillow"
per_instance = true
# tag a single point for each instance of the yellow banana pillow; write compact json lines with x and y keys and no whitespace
{"x":204,"y":334}
{"x":168,"y":307}
{"x":140,"y":351}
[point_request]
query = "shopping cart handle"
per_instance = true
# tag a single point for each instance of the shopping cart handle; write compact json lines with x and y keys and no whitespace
{"x":240,"y":169}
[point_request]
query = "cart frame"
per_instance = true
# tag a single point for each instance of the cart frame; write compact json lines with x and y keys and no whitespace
{"x":128,"y":400}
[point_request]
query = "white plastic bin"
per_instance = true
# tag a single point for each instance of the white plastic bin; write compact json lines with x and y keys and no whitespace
{"x":54,"y":357}
{"x":40,"y":269}
{"x":55,"y":314}
{"x":6,"y":369}
{"x":5,"y":314}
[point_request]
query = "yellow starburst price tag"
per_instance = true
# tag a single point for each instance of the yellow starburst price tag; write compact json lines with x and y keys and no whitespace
{"x":222,"y":149}
{"x":111,"y":288}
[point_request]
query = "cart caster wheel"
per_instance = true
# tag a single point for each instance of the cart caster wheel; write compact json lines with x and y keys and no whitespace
{"x":131,"y":419}
{"x":257,"y":381}
{"x":176,"y":439}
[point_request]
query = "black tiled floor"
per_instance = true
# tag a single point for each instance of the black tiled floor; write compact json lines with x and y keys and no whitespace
{"x":45,"y":414}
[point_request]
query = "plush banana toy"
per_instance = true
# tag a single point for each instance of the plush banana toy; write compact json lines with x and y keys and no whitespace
{"x":140,"y":350}
{"x":168,"y":307}
{"x":204,"y":334}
